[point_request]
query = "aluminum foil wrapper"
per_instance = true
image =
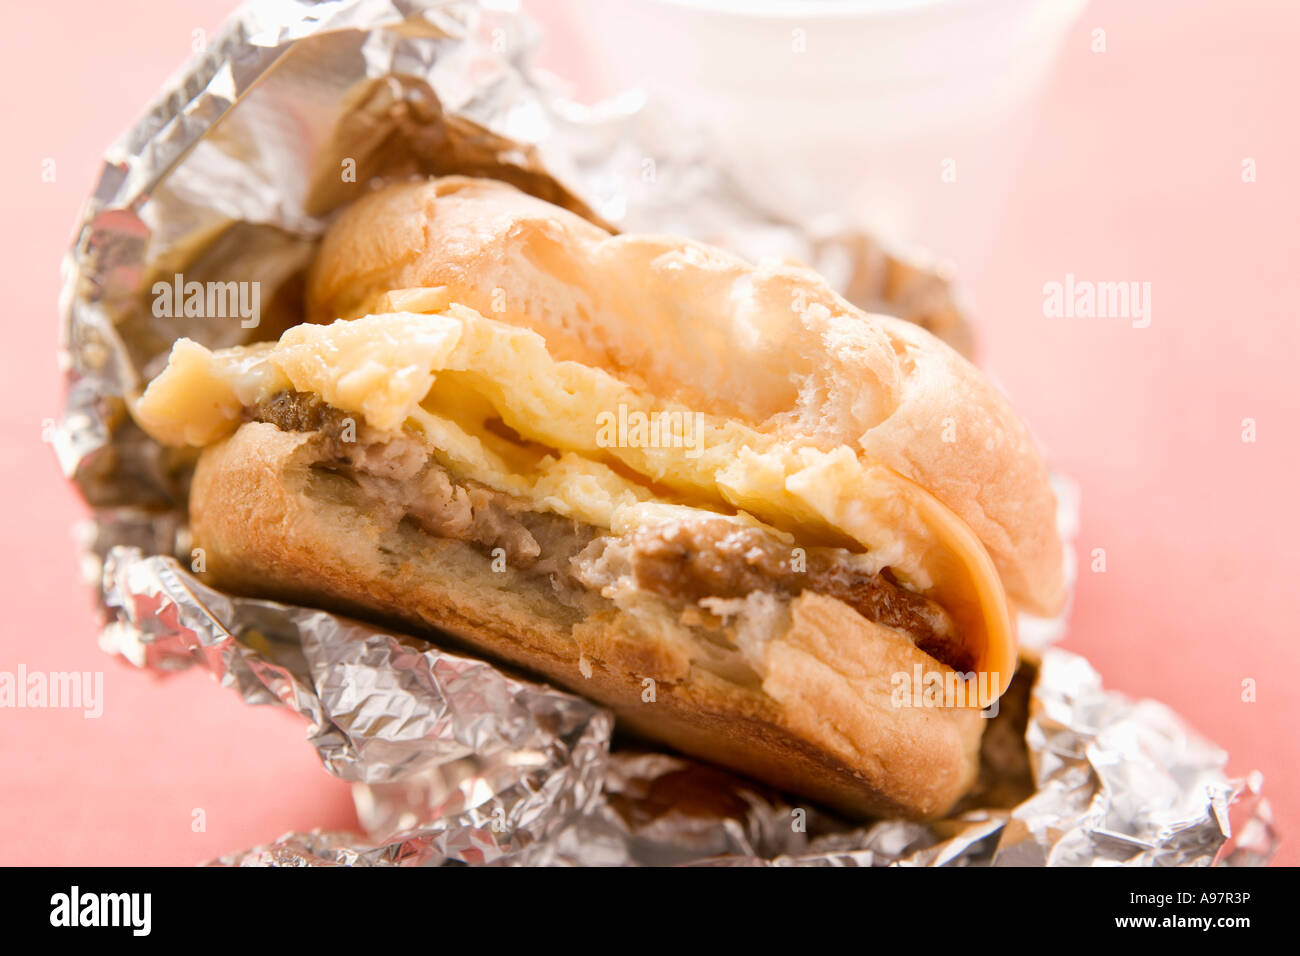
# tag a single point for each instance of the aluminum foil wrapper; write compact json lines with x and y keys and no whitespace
{"x":232,"y":176}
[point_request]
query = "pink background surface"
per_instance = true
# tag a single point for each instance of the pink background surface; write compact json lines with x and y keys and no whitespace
{"x":1133,"y":172}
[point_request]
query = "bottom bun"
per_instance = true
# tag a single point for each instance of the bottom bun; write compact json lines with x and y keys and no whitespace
{"x":816,"y":717}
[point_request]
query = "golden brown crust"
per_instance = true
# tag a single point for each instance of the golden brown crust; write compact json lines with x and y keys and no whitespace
{"x":821,"y":725}
{"x":772,"y":346}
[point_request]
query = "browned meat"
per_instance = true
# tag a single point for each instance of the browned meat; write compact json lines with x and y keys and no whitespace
{"x":300,"y":412}
{"x":681,"y":561}
{"x":718,"y":558}
{"x":399,"y":474}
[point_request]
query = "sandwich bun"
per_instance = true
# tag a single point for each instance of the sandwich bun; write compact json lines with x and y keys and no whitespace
{"x":472,"y":327}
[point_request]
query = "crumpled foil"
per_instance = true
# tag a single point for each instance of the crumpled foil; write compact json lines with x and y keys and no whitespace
{"x":232,"y":175}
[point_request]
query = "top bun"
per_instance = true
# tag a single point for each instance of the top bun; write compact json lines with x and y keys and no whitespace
{"x":771,"y":345}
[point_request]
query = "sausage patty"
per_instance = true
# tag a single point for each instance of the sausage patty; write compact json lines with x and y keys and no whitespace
{"x":681,"y":561}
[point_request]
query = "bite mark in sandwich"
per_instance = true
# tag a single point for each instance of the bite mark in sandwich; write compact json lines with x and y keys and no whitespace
{"x":432,"y":457}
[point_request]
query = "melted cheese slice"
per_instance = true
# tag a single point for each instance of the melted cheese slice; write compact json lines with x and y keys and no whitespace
{"x":453,"y":376}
